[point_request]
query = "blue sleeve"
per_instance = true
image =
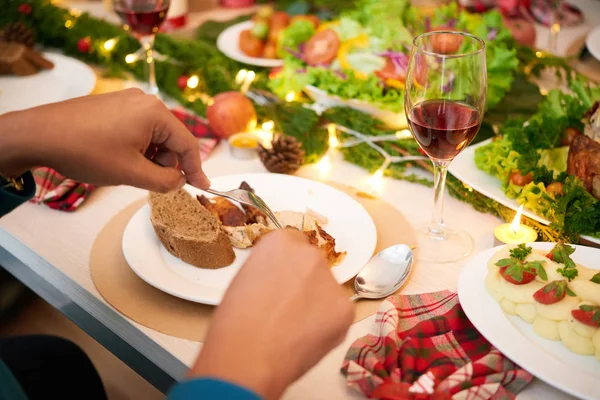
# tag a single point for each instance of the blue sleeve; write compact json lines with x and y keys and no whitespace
{"x":209,"y":388}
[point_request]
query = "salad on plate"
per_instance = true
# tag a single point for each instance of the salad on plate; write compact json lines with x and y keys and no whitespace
{"x":363,"y":55}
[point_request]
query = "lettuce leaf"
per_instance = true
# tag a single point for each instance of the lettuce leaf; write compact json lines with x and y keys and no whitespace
{"x":294,"y":35}
{"x":498,"y":159}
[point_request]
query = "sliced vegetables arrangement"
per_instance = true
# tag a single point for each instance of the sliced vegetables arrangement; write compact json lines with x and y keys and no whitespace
{"x":363,"y":55}
{"x":551,"y":162}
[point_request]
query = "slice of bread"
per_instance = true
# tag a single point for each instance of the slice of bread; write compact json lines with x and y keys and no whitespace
{"x":189,"y":231}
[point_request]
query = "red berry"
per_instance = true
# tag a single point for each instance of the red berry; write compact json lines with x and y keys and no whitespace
{"x":84,"y":44}
{"x":182,"y":82}
{"x":551,"y":293}
{"x":527,"y":277}
{"x":24,"y":9}
{"x":587,"y":315}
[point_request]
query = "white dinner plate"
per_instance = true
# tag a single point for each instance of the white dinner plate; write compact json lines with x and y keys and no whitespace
{"x":463,"y":167}
{"x":592,"y":43}
{"x":548,"y":360}
{"x":348,"y":222}
{"x":68,"y":79}
{"x":228,"y":43}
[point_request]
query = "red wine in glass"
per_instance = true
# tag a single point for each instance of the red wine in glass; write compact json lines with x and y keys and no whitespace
{"x":144,"y":20}
{"x":444,"y":127}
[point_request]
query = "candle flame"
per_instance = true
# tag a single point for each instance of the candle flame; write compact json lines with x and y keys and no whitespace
{"x":516,"y":223}
{"x":333,"y":139}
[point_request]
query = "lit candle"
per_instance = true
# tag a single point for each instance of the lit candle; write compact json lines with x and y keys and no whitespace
{"x":515,"y":232}
{"x":244,"y":145}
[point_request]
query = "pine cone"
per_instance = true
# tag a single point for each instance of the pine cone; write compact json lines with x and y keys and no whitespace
{"x":285,"y":157}
{"x":18,"y":32}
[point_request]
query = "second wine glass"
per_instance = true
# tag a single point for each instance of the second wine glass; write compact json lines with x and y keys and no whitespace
{"x":445,"y":97}
{"x":144,"y":18}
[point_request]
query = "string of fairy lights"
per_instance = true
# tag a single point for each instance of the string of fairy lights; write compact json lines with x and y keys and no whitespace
{"x":244,"y":79}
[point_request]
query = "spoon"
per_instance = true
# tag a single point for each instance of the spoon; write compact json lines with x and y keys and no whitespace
{"x":385,"y":273}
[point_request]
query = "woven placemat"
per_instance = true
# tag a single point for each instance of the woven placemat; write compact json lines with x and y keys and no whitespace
{"x":157,"y":310}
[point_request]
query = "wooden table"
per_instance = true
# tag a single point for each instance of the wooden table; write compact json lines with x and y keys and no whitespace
{"x":49,"y":251}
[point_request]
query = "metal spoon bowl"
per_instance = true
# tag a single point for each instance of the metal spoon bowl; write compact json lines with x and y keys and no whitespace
{"x":385,"y":273}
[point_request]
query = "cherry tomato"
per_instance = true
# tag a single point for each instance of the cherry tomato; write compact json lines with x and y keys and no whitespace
{"x":270,"y":50}
{"x":555,"y":189}
{"x":446,"y":43}
{"x":279,"y":19}
{"x":250,"y":45}
{"x":389,"y":72}
{"x":570,"y":135}
{"x":520,"y":180}
{"x":322,"y":48}
{"x":527,"y":277}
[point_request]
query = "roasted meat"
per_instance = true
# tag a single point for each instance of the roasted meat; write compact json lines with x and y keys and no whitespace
{"x":584,"y":162}
{"x":253,"y":214}
{"x":225,"y":211}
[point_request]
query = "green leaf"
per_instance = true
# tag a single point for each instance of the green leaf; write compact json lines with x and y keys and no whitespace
{"x":539,"y":268}
{"x":587,"y":308}
{"x":505,"y":262}
{"x":515,"y":271}
{"x":520,"y":252}
{"x":570,"y":292}
{"x":596,"y":278}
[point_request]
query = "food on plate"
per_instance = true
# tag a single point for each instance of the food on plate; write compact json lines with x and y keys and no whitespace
{"x":18,"y":59}
{"x":550,"y":163}
{"x":203,"y":231}
{"x":584,"y":163}
{"x":560,"y":298}
{"x":322,"y":48}
{"x":189,"y":231}
{"x":245,"y":228}
{"x":366,"y":60}
{"x":446,"y":43}
{"x":263,"y":39}
{"x":250,"y":44}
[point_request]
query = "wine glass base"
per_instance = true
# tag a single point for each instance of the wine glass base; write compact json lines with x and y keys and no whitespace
{"x":450,"y":246}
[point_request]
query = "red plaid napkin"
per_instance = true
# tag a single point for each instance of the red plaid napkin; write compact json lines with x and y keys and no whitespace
{"x":61,"y":193}
{"x":428,"y":349}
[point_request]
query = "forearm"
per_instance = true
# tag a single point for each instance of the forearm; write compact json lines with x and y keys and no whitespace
{"x":16,"y":143}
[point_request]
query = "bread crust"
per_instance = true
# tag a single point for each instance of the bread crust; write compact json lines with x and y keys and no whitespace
{"x":212,"y":253}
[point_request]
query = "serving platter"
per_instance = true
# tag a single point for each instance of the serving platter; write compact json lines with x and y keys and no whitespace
{"x":548,"y":360}
{"x":463,"y":167}
{"x":228,"y":43}
{"x":348,"y":222}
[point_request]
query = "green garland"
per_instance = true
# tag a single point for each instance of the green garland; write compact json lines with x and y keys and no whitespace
{"x":60,"y":28}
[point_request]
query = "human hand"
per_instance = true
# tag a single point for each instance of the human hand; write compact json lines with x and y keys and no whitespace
{"x":281,"y":314}
{"x":108,"y":139}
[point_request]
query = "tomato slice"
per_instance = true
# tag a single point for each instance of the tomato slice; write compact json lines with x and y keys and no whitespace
{"x":322,"y":48}
{"x":389,"y":71}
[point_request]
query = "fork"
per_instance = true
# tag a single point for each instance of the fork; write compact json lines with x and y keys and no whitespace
{"x":248,"y":198}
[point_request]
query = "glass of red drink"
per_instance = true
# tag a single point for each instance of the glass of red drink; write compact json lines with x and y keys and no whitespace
{"x":445,"y":95}
{"x":144,"y":18}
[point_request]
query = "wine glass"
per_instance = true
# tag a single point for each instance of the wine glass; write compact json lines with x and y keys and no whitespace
{"x":445,"y":95}
{"x":144,"y":18}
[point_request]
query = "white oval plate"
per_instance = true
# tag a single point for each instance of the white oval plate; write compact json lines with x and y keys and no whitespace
{"x":548,"y":360}
{"x":391,"y":119}
{"x":463,"y":167}
{"x":68,"y":79}
{"x":228,"y":43}
{"x":592,"y":42}
{"x":349,"y":223}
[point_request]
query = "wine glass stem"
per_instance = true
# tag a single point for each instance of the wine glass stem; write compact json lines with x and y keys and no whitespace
{"x":148,"y":43}
{"x":440,"y":169}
